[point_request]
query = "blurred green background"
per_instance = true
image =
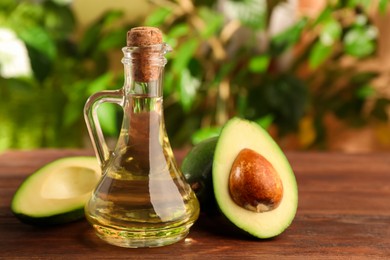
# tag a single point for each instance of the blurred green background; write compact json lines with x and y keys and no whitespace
{"x":315,"y":74}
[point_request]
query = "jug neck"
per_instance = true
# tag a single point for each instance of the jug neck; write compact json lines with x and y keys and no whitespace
{"x":144,"y":69}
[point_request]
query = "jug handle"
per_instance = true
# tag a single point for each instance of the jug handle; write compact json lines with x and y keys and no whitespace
{"x":93,"y":124}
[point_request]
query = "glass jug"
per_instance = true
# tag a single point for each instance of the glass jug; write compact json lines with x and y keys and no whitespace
{"x":142,"y":199}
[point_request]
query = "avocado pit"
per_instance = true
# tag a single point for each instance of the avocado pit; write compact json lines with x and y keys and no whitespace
{"x":254,"y":184}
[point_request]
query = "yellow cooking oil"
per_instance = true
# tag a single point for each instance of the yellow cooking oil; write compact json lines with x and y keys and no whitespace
{"x":142,"y":199}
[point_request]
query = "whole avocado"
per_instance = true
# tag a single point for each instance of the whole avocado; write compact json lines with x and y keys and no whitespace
{"x":197,"y":168}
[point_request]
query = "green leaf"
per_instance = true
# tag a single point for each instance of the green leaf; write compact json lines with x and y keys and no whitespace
{"x":76,"y":97}
{"x":365,"y":91}
{"x":213,"y":20}
{"x":331,"y":32}
{"x":184,"y":54}
{"x":90,"y":38}
{"x":110,"y":17}
{"x":26,"y":14}
{"x":259,"y":63}
{"x":284,"y":40}
{"x":362,"y":3}
{"x":318,"y":54}
{"x":383,"y":6}
{"x":37,"y":38}
{"x":27,"y":137}
{"x":251,"y":13}
{"x":94,"y":33}
{"x":16,"y":87}
{"x":359,"y":41}
{"x":281,"y":99}
{"x":41,"y":49}
{"x":325,"y":15}
{"x":158,"y":17}
{"x":242,"y":104}
{"x":6,"y":4}
{"x":265,"y":121}
{"x":108,"y":120}
{"x":7,"y":130}
{"x":175,"y":33}
{"x":178,"y":30}
{"x":204,"y":134}
{"x":169,"y":83}
{"x":112,"y":40}
{"x":73,"y":111}
{"x":41,"y":65}
{"x":224,"y":71}
{"x":101,"y":83}
{"x":59,"y":20}
{"x":188,"y":89}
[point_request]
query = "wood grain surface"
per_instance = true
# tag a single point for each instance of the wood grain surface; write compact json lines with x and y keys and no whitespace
{"x":343,"y":213}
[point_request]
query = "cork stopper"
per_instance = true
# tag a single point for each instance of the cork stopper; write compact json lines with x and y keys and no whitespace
{"x":144,"y":60}
{"x":144,"y":36}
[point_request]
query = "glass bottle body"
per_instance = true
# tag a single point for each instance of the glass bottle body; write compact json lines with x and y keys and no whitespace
{"x":142,"y":199}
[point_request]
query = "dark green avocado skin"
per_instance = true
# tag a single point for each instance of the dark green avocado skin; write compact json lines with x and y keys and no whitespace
{"x":197,"y":168}
{"x":53,"y":220}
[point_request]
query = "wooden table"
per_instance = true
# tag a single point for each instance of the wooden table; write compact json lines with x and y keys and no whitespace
{"x":344,"y":212}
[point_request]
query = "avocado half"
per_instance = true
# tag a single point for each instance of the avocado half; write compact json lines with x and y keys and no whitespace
{"x":240,"y":135}
{"x":57,"y":192}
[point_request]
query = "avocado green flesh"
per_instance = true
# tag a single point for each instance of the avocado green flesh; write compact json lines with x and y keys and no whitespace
{"x":57,"y":192}
{"x":236,"y":135}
